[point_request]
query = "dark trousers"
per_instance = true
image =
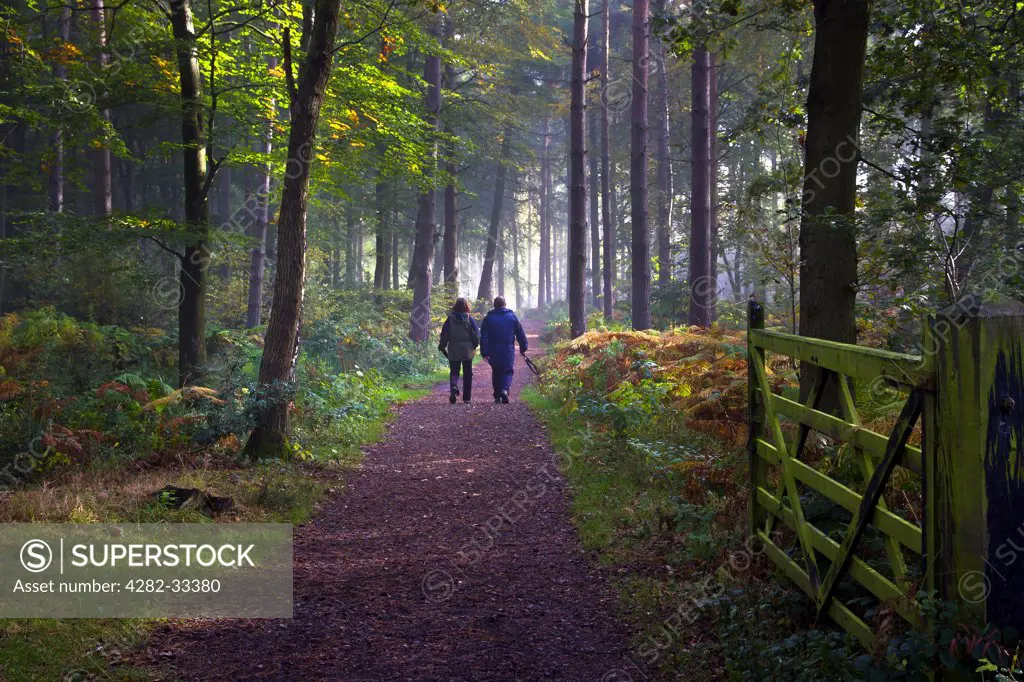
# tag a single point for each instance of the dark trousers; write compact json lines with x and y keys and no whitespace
{"x":501,"y":379}
{"x":466,"y":367}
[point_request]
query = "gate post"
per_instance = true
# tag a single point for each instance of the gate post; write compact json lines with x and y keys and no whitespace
{"x":755,"y":420}
{"x":974,"y":496}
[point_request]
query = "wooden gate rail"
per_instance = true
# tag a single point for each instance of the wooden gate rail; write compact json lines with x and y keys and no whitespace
{"x":961,"y":424}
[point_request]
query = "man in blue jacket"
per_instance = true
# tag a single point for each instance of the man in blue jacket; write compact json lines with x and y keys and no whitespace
{"x":498,"y":336}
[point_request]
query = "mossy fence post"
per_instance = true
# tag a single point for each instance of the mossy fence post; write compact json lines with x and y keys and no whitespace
{"x":974,"y":467}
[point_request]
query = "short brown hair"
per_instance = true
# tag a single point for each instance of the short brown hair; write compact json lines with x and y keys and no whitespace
{"x":499,"y":302}
{"x":461,"y":306}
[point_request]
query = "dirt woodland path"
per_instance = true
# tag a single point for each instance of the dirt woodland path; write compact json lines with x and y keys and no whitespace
{"x":450,"y":556}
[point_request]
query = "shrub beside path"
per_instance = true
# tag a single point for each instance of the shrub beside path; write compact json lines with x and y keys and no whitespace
{"x":414,"y":574}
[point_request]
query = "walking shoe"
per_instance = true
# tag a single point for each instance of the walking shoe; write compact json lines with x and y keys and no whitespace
{"x":504,"y":397}
{"x":454,"y":395}
{"x":497,"y":401}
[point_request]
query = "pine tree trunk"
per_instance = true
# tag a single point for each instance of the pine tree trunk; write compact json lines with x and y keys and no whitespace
{"x":386,"y":284}
{"x":281,"y":344}
{"x":828,"y":248}
{"x":713,"y":178}
{"x":529,"y":244}
{"x":594,"y":191}
{"x":451,"y":232}
{"x":486,"y":288}
{"x":438,"y":269}
{"x":101,"y":183}
{"x":394,"y":259}
{"x":126,"y":175}
{"x":607,"y":200}
{"x":351,"y":252}
{"x":423,"y":250}
{"x":661,"y":99}
{"x":360,"y":252}
{"x":641,"y":260}
{"x":450,"y":240}
{"x":3,"y":235}
{"x":544,"y":263}
{"x":700,"y":283}
{"x":56,"y":184}
{"x":516,"y":278}
{"x":195,"y":263}
{"x":555,"y":264}
{"x":381,"y":245}
{"x":335,"y":261}
{"x":410,"y":256}
{"x":577,"y":254}
{"x":500,"y":280}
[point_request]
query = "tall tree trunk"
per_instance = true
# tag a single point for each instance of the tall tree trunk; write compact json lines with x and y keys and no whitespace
{"x":394,"y":259}
{"x":544,"y":263}
{"x":336,"y":258}
{"x":381,"y":245}
{"x":126,"y":175}
{"x":594,"y":190}
{"x":451,"y":232}
{"x":386,"y":284}
{"x":258,"y":255}
{"x":360,"y":252}
{"x":556,"y":265}
{"x":577,"y":254}
{"x":500,"y":257}
{"x":450,"y":243}
{"x":196,"y":258}
{"x":663,"y":133}
{"x":713,"y":178}
{"x":3,"y":235}
{"x":57,"y":141}
{"x":529,"y":243}
{"x":486,"y":289}
{"x":438,"y":269}
{"x":516,"y":274}
{"x":607,"y":200}
{"x":101,"y":184}
{"x":828,"y":248}
{"x":701,"y":285}
{"x":350,"y":247}
{"x":281,"y":344}
{"x":641,"y":260}
{"x":423,"y":251}
{"x":340,"y":237}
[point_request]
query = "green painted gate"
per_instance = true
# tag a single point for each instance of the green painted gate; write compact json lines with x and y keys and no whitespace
{"x":963,"y":392}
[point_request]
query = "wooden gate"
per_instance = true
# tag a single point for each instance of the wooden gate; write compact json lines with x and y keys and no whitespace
{"x":970,"y":499}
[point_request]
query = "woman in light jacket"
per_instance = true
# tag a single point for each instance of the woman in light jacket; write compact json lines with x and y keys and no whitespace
{"x":459,"y":341}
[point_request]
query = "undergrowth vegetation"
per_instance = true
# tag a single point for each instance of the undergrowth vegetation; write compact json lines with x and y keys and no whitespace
{"x":91,"y":428}
{"x":654,"y":428}
{"x":78,"y":396}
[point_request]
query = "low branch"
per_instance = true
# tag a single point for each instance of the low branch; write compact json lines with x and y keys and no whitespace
{"x":165,"y":247}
